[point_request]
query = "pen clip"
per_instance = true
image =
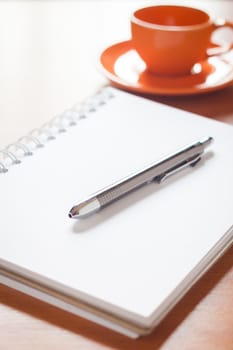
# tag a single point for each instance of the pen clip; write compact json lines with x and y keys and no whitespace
{"x":189,"y":162}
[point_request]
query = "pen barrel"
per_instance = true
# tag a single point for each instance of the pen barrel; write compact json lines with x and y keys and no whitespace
{"x":147,"y":175}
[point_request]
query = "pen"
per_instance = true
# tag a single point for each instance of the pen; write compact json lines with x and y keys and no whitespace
{"x":158,"y":171}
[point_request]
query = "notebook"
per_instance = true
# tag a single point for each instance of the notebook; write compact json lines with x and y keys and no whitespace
{"x":127,"y":265}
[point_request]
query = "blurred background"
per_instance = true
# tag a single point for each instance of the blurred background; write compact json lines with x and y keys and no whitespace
{"x":49,"y":54}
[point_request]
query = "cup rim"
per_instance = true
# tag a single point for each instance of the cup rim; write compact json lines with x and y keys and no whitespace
{"x":166,"y":27}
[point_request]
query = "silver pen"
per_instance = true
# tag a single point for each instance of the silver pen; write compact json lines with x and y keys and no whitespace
{"x":156,"y":172}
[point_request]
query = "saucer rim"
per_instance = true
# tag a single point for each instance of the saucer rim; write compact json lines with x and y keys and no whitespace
{"x":118,"y":82}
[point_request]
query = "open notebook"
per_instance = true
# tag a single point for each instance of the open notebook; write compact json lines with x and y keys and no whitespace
{"x":126,"y":266}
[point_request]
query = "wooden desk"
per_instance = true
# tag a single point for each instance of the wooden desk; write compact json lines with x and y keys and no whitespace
{"x":47,"y":55}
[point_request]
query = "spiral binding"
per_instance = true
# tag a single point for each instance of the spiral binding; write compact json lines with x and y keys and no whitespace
{"x":14,"y":153}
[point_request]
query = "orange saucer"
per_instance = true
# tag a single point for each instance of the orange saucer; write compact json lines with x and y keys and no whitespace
{"x":122,"y":65}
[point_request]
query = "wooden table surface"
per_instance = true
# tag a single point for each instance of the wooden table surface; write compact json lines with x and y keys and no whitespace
{"x":48,"y":50}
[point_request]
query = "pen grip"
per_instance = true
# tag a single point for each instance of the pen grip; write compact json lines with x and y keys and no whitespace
{"x":121,"y":189}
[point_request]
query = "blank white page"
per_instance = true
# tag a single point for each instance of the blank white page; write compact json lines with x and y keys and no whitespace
{"x":130,"y":256}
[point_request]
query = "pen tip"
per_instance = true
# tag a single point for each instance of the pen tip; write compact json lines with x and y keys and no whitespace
{"x":74,"y":212}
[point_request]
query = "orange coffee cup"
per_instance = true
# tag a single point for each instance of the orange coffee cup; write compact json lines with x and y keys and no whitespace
{"x":172,"y":39}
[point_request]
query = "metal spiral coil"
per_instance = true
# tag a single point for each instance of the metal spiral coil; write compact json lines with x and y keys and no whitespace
{"x":14,"y":153}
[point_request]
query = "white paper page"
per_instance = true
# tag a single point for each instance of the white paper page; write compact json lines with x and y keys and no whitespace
{"x":131,"y":255}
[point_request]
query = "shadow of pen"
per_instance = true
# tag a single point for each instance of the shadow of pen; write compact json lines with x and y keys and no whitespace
{"x":87,"y":223}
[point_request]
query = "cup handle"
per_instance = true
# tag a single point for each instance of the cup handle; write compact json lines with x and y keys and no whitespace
{"x":216,"y":49}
